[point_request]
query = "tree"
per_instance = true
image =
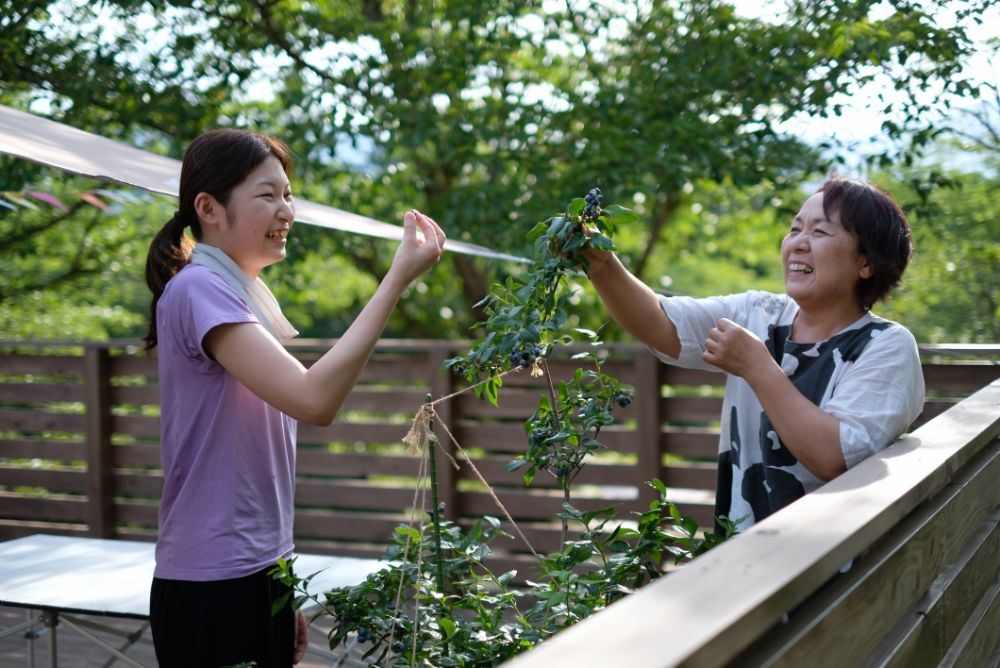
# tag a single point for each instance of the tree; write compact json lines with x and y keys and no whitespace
{"x":479,"y":113}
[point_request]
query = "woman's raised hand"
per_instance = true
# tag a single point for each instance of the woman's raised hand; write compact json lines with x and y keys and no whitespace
{"x":421,"y":247}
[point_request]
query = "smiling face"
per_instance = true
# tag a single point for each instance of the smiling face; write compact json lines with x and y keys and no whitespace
{"x":822,"y":261}
{"x":252,"y":228}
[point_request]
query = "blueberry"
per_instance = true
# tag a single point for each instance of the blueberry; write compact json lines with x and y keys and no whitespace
{"x":623,"y":400}
{"x":399,"y":647}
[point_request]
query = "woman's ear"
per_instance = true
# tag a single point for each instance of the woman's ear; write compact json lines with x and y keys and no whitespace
{"x":865,"y":268}
{"x":209,"y":211}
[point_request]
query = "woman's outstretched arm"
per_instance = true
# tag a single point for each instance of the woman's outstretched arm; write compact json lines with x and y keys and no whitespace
{"x":632,"y":303}
{"x":314,"y":395}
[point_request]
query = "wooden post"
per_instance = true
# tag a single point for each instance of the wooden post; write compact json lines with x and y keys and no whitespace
{"x":442,"y":385}
{"x":648,"y":378}
{"x":97,"y":392}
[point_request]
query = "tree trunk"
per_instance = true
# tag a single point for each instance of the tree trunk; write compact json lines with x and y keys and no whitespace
{"x":663,"y":211}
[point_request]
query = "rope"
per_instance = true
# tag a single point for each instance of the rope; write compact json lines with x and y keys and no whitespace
{"x":419,"y":437}
{"x":489,"y":489}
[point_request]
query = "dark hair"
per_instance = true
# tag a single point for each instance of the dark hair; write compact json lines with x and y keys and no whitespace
{"x":880,"y":226}
{"x":214,"y":163}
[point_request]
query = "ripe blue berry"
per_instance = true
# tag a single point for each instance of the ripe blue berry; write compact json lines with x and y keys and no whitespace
{"x":623,"y":400}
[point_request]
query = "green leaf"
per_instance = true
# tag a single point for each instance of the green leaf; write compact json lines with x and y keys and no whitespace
{"x":619,"y":215}
{"x":529,"y":476}
{"x":447,"y":626}
{"x":276,"y":606}
{"x":538,"y":230}
{"x":515,"y":464}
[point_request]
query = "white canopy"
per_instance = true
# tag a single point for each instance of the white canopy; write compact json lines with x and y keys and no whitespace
{"x":56,"y":145}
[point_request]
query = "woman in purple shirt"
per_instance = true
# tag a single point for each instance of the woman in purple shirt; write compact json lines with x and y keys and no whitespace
{"x":230,"y":398}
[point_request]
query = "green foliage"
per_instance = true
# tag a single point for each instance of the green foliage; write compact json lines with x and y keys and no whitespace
{"x":478,"y":113}
{"x":399,"y":613}
{"x":437,"y":603}
{"x":951,"y":291}
{"x":527,"y":317}
{"x":78,"y":274}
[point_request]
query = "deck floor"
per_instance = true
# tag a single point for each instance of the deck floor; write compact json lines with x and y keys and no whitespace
{"x":76,"y":652}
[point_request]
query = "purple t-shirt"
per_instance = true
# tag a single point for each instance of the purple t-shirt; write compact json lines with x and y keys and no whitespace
{"x":228,"y":456}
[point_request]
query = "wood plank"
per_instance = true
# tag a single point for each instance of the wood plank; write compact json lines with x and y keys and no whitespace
{"x":932,"y":408}
{"x":493,"y":468}
{"x":27,"y":393}
{"x":382,"y":400}
{"x":38,"y":449}
{"x":514,"y":403}
{"x":533,"y":504}
{"x":543,"y":536}
{"x":358,"y":549}
{"x":689,"y":476}
{"x":130,"y":483}
{"x":142,"y":395}
{"x":351,"y":495}
{"x":34,"y":420}
{"x":980,"y":638}
{"x":132,"y":533}
{"x":353,"y":432}
{"x":136,"y":454}
{"x":343,"y":525}
{"x":442,"y":475}
{"x":510,"y":437}
{"x":649,"y":415}
{"x":11,"y":529}
{"x":395,"y":369}
{"x":53,"y":479}
{"x":857,"y":611}
{"x":965,"y":377}
{"x":778,"y":563}
{"x":138,"y":364}
{"x":136,"y":511}
{"x":42,"y":365}
{"x":544,"y":504}
{"x":321,"y":462}
{"x":144,"y":426}
{"x":675,"y":375}
{"x":98,"y":439}
{"x":931,"y":626}
{"x":55,"y":507}
{"x":691,"y":442}
{"x":691,"y":410}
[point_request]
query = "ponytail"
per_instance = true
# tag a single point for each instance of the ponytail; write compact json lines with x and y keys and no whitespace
{"x":168,"y":254}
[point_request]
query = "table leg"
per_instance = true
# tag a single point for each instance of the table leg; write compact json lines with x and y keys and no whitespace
{"x":30,"y":638}
{"x":51,"y":619}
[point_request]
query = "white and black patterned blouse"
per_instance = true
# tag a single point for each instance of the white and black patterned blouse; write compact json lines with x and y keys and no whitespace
{"x":868,"y":376}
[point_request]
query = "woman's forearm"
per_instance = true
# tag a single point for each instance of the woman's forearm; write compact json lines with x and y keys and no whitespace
{"x":633,"y":304}
{"x":811,"y":434}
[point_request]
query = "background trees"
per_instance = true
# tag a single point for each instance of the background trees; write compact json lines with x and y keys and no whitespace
{"x":486,"y":115}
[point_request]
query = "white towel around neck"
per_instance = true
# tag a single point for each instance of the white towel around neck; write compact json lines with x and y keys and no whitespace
{"x":253,"y":291}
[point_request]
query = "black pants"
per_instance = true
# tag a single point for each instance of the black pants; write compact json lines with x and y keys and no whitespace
{"x":221,"y":622}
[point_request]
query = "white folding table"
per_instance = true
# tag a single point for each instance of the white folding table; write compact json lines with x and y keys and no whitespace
{"x":61,"y":576}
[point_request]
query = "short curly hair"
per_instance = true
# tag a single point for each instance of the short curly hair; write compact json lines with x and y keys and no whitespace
{"x":871,"y":215}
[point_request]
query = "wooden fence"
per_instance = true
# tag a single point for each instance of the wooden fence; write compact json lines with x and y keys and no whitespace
{"x":79,"y":443}
{"x":895,"y":563}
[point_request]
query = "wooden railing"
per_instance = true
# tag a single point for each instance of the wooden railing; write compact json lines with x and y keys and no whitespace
{"x":894,"y":563}
{"x":79,"y":443}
